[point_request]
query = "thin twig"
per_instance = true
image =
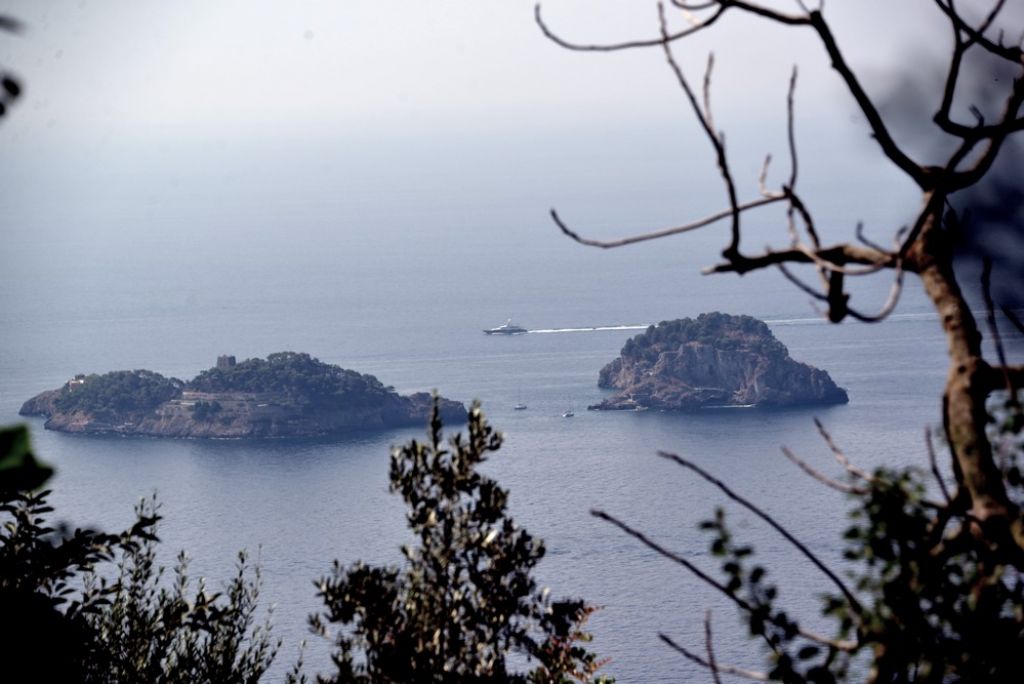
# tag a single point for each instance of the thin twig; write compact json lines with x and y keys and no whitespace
{"x":881,"y":133}
{"x":712,"y":665}
{"x":694,"y":7}
{"x":664,"y":232}
{"x":672,"y":556}
{"x":841,"y":456}
{"x":707,"y":90}
{"x":714,"y":137}
{"x":752,"y":675}
{"x":864,"y":238}
{"x":890,"y":303}
{"x":626,"y":45}
{"x":823,"y":478}
{"x":848,"y":646}
{"x":1014,"y":54}
{"x":762,"y":178}
{"x":790,"y":131}
{"x":801,"y":284}
{"x":786,"y":534}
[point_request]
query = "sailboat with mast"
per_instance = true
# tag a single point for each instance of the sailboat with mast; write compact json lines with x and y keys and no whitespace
{"x":520,"y":406}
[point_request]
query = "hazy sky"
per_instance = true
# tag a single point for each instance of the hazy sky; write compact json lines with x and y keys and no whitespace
{"x":432,"y":96}
{"x":267,"y":67}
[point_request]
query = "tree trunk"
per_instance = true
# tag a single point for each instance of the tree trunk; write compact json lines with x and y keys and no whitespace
{"x":967,"y":386}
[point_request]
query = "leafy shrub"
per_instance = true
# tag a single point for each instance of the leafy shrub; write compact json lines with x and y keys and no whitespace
{"x":88,"y":606}
{"x":465,"y":598}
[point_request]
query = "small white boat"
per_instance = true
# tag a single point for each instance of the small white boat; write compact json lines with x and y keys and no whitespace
{"x":569,"y":414}
{"x":519,"y":407}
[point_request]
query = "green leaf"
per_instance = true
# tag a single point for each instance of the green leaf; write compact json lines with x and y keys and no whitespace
{"x":19,"y":469}
{"x":807,"y":652}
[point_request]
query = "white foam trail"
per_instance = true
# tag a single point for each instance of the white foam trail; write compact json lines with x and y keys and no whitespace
{"x":810,"y":320}
{"x":814,"y":320}
{"x":597,"y":328}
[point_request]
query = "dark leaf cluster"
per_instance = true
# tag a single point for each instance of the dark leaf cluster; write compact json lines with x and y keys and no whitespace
{"x":939,"y":599}
{"x":87,"y":606}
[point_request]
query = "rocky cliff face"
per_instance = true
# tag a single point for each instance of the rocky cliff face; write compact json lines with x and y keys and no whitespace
{"x":114,"y":404}
{"x":713,"y":360}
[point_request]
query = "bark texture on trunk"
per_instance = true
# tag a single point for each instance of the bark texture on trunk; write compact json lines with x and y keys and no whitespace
{"x":968,"y":384}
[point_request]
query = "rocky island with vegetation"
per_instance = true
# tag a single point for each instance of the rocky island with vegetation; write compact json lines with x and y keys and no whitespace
{"x":288,"y":394}
{"x":714,"y":360}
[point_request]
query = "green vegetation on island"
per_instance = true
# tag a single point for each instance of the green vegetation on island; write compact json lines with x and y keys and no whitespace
{"x":723,"y":331}
{"x":117,"y":392}
{"x":288,"y":394}
{"x":298,"y":377}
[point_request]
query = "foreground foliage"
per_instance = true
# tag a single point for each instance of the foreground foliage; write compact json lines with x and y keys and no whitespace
{"x":930,"y":599}
{"x":87,"y":606}
{"x":465,"y":599}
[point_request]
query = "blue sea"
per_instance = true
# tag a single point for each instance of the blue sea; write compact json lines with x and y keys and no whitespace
{"x":400,"y":285}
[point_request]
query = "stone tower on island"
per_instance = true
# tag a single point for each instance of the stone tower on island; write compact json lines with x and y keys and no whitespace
{"x":225,"y":362}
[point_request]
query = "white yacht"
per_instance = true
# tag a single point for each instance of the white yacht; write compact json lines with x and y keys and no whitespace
{"x":507,"y":328}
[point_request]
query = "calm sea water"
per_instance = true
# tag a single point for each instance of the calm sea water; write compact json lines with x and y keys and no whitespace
{"x":405,"y":298}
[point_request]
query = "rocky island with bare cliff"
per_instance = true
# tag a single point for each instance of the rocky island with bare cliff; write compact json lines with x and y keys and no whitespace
{"x":715,"y":360}
{"x":288,"y":394}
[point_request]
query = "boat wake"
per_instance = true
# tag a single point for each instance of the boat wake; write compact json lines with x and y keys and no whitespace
{"x":596,"y":328}
{"x":809,"y":320}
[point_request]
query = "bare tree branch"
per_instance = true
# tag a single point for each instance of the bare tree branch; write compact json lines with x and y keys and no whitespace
{"x":890,"y":303}
{"x":864,"y":238}
{"x":801,"y":284}
{"x":712,"y":665}
{"x":664,"y":232}
{"x":1011,"y":54}
{"x":611,"y":47}
{"x":672,"y":556}
{"x":840,"y":455}
{"x":821,"y":477}
{"x":791,"y":134}
{"x":713,"y":136}
{"x":726,"y":669}
{"x":1009,"y":123}
{"x":780,"y":17}
{"x":960,"y":47}
{"x":848,"y":646}
{"x":786,"y":534}
{"x":926,"y":249}
{"x":878,"y":128}
{"x":836,"y":256}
